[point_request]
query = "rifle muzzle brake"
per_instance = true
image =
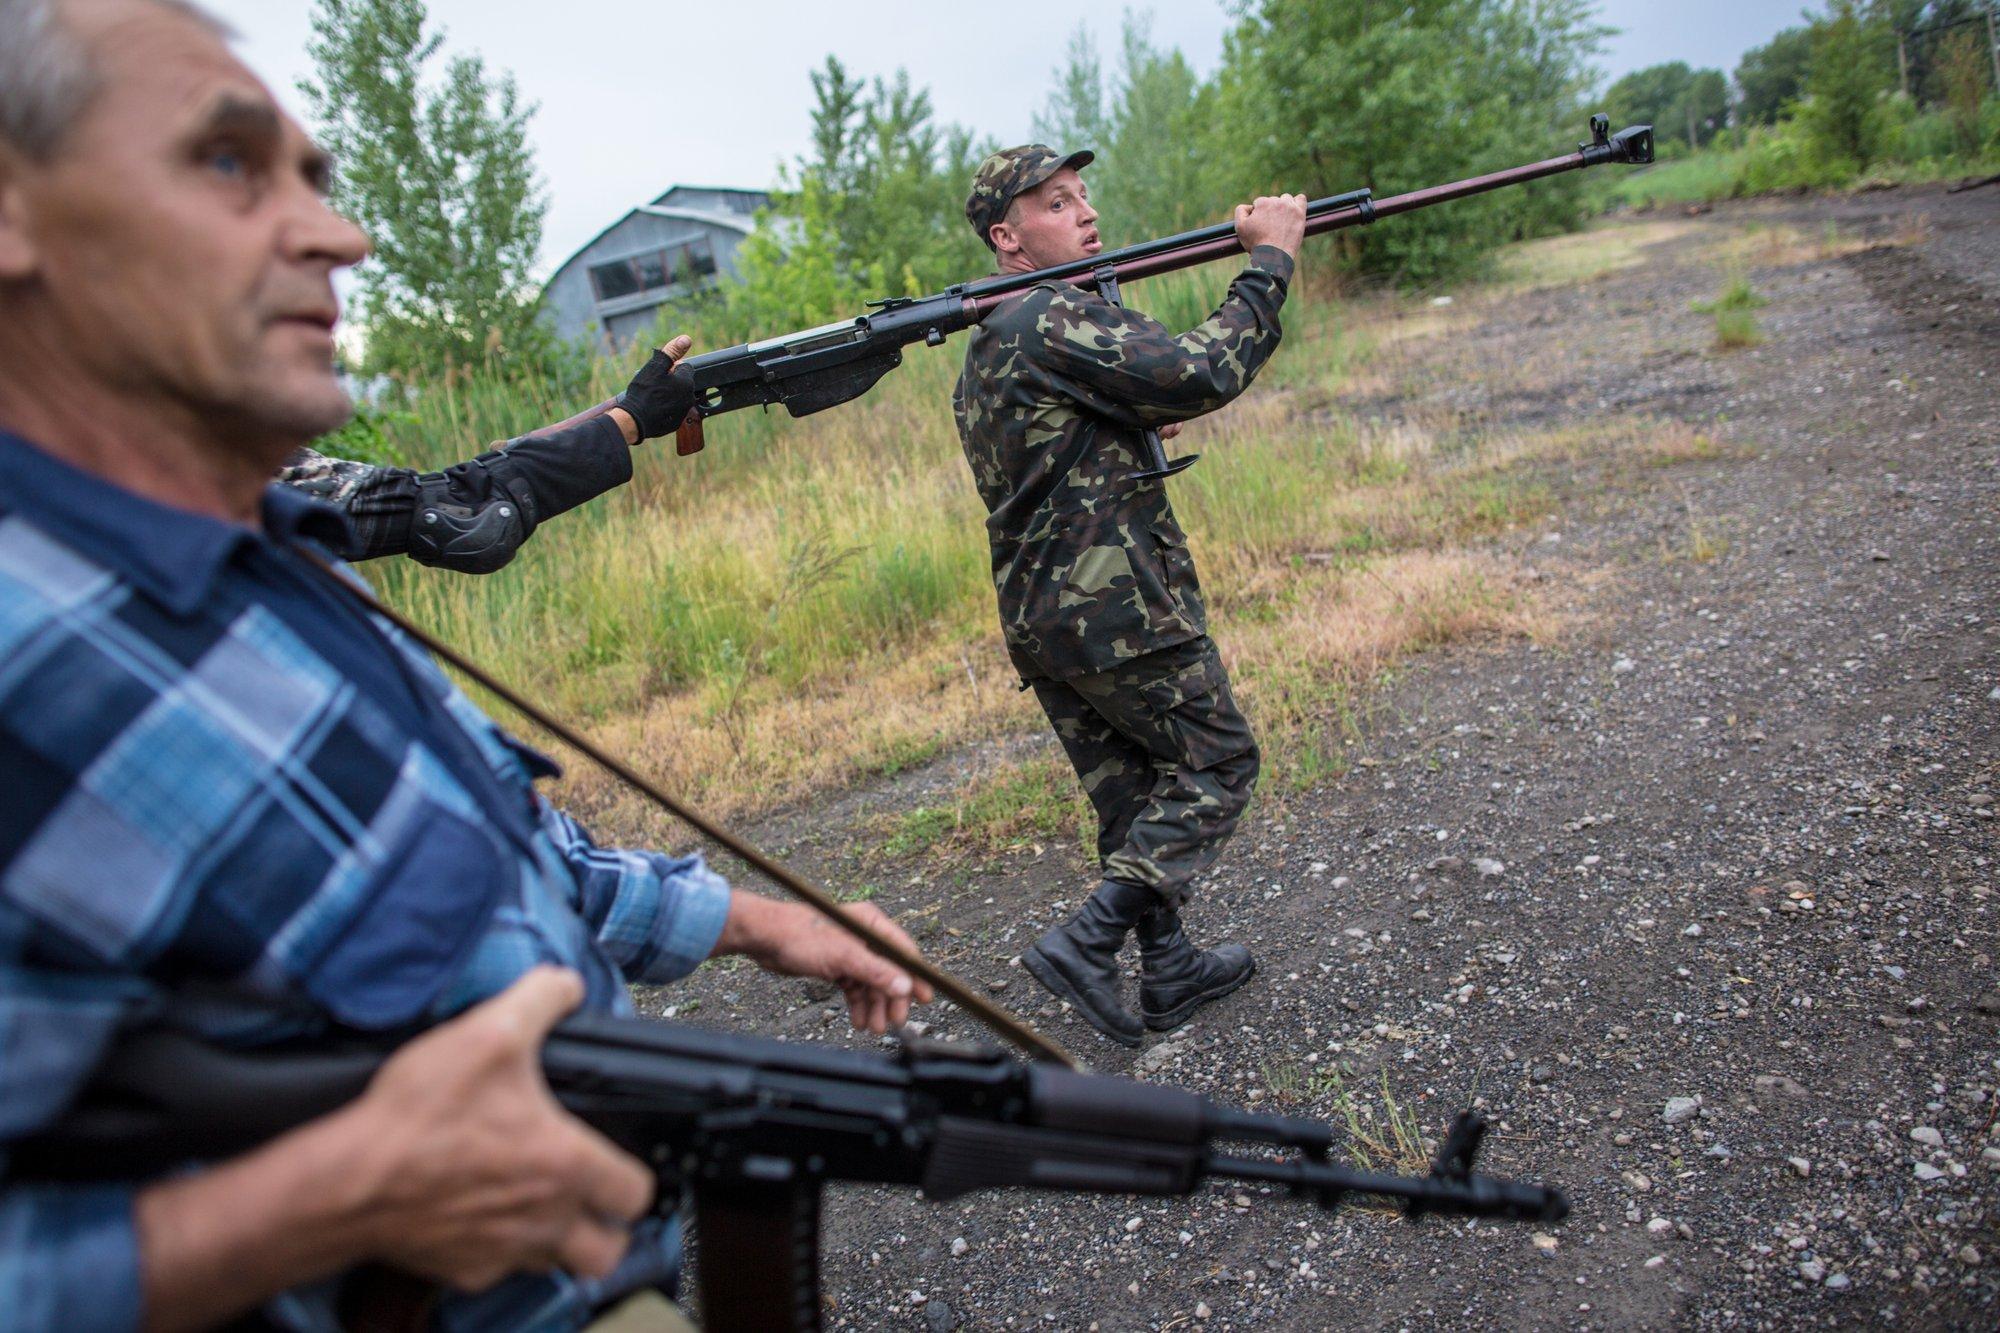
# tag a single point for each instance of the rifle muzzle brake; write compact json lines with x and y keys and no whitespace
{"x":1633,"y":144}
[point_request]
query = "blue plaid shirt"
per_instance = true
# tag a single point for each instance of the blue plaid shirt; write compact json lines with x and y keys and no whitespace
{"x":236,"y":804}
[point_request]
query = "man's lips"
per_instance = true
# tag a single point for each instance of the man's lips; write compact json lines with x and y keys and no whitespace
{"x":315,"y":325}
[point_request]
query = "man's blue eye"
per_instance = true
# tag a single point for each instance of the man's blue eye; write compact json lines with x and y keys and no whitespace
{"x":226,"y":161}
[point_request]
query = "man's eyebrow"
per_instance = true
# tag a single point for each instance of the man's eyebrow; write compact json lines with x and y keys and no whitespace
{"x":239,"y":115}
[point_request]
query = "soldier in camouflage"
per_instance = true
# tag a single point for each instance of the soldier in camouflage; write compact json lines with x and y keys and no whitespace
{"x":1099,"y":602}
{"x":473,"y":516}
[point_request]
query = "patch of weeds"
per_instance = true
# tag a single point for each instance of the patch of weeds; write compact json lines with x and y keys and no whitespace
{"x":1316,"y":756}
{"x":1380,"y":1129}
{"x":1734,"y":312}
{"x":1565,"y":261}
{"x":1677,"y":443}
{"x":1028,"y":804}
{"x":1383,"y":1133}
{"x":921,"y":829}
{"x":1705,"y":544}
{"x":904,"y":752}
{"x":860,"y":893}
{"x":1735,"y":329}
{"x":1476,"y":503}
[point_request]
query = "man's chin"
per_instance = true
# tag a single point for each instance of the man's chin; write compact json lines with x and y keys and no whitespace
{"x":294,"y":414}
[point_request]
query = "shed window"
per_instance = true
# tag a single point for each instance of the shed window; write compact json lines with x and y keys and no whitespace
{"x":688,"y":264}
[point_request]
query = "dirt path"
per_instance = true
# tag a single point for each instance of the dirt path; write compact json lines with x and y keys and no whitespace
{"x":1746,"y":815}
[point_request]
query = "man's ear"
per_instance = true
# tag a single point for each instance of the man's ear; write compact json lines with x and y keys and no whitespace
{"x":1002,"y":237}
{"x":17,"y":248}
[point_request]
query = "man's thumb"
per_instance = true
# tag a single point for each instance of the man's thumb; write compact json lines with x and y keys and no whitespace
{"x":543,"y":997}
{"x":677,"y":346}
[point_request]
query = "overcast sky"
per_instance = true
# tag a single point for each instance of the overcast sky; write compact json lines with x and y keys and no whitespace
{"x":637,"y":95}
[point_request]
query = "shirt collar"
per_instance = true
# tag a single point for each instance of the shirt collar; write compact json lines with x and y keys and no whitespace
{"x":173,"y":555}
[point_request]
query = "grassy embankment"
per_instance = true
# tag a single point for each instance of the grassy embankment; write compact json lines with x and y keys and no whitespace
{"x":1912,"y":148}
{"x":806,"y":603}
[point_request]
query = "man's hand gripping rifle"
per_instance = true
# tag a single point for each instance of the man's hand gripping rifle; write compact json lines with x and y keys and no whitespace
{"x":820,"y":368}
{"x":752,"y":1128}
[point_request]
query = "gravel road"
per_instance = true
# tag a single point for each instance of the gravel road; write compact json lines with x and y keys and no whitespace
{"x":1699,"y":903}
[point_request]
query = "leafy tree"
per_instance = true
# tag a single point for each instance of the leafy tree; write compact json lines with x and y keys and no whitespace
{"x":1680,"y":103}
{"x":1321,"y":95}
{"x":1705,"y":107}
{"x":1650,"y":96}
{"x":1772,"y":76}
{"x":441,"y":177}
{"x":1074,"y":115}
{"x":792,"y":272}
{"x":876,"y":209}
{"x":1962,"y":67}
{"x":1931,"y":51}
{"x":1151,"y":175}
{"x":1162,"y":185}
{"x":1851,"y":68}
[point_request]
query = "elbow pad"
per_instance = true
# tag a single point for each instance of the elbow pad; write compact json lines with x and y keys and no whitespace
{"x":477,"y":538}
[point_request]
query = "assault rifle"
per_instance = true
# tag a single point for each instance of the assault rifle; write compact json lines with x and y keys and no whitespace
{"x":819,"y":368}
{"x":753,"y":1127}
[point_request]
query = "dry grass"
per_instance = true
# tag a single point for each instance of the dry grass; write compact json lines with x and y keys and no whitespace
{"x":1584,"y":256}
{"x":807,"y":606}
{"x":1781,"y":244}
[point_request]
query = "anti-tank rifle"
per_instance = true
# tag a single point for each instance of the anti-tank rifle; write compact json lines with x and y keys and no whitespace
{"x":813,"y":370}
{"x":752,"y":1128}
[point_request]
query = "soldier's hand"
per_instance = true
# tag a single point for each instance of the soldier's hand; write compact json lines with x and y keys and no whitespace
{"x":661,"y":394}
{"x":1168,"y":431}
{"x":795,"y":941}
{"x":470,"y":1168}
{"x":1275,"y":219}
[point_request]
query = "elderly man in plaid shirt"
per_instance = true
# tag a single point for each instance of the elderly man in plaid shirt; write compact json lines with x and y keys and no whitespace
{"x":236,"y":802}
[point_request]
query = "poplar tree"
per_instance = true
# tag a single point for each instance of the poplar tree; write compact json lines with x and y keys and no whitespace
{"x":439,"y":173}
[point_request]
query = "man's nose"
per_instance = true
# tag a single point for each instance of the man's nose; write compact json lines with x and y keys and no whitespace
{"x":1089,"y":213}
{"x":319,"y":233}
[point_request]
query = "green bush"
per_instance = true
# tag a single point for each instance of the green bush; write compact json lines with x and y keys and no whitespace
{"x":1788,"y":159}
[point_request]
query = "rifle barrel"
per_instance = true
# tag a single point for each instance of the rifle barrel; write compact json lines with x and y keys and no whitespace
{"x":1331,"y":214}
{"x":1168,"y":254}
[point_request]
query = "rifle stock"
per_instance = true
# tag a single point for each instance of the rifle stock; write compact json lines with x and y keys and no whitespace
{"x":819,"y":368}
{"x":752,"y":1128}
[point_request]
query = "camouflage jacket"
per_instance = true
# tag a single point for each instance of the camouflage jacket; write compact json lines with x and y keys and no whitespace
{"x":1059,"y":385}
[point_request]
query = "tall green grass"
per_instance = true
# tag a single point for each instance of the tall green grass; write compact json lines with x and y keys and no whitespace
{"x":807,"y":602}
{"x":788,"y":549}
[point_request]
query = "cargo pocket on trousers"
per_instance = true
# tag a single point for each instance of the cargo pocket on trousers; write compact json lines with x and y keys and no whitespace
{"x":1200,"y":714}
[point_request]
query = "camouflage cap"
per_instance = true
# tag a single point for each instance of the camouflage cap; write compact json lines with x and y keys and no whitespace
{"x":1010,"y":172}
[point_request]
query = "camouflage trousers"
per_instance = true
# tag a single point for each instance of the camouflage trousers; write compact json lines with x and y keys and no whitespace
{"x":1166,"y":758}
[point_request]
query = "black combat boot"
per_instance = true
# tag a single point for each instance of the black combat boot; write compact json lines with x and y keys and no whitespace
{"x":1078,"y":960}
{"x":1175,"y":978}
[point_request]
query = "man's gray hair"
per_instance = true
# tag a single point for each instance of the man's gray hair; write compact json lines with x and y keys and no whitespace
{"x":46,"y":75}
